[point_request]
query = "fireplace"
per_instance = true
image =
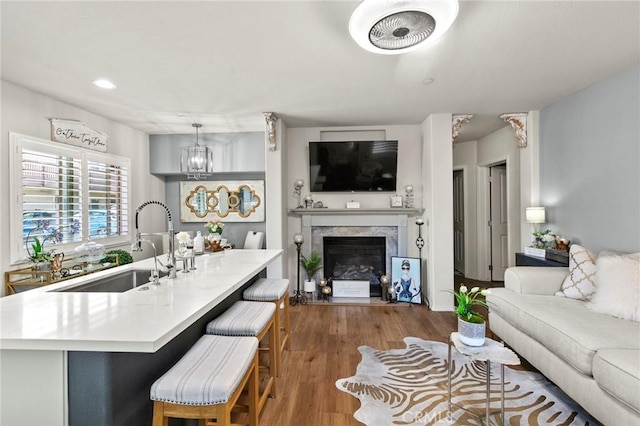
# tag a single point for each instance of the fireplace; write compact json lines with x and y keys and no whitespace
{"x":355,"y":258}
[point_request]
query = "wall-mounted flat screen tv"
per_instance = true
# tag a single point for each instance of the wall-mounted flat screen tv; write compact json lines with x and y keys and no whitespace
{"x":353,"y":166}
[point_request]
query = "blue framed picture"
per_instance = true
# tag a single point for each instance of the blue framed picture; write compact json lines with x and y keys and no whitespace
{"x":405,"y":279}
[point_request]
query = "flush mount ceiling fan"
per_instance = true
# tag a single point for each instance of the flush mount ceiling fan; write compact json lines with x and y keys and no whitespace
{"x":400,"y":26}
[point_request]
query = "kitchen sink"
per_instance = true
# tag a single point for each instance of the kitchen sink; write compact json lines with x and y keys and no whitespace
{"x":117,"y":283}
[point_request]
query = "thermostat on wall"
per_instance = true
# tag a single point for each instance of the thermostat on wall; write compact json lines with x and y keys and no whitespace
{"x":353,"y":204}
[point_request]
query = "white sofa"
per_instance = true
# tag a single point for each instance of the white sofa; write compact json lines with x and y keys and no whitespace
{"x":594,"y":358}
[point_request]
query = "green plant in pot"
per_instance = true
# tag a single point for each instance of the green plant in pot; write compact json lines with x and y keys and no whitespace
{"x":311,"y":265}
{"x":471,"y":325}
{"x":37,"y":253}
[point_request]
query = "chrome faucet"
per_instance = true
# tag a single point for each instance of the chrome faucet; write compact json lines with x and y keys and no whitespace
{"x":172,"y":254}
{"x":155,"y":274}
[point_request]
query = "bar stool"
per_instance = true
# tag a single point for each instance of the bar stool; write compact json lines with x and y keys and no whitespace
{"x":207,"y":382}
{"x":274,"y":290}
{"x":252,"y":319}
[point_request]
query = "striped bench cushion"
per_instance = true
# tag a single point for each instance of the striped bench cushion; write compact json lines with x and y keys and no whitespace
{"x":243,"y":319}
{"x":208,"y":373}
{"x":267,"y":289}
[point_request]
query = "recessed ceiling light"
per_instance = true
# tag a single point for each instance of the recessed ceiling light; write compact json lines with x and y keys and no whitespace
{"x":400,"y":26}
{"x":104,"y":84}
{"x":427,"y":80}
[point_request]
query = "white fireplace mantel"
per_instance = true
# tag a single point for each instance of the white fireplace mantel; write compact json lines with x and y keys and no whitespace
{"x":392,"y":217}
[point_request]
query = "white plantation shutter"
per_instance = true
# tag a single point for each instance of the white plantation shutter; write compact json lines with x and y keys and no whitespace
{"x":66,"y":194}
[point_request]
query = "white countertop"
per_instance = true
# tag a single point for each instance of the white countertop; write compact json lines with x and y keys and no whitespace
{"x":133,"y":321}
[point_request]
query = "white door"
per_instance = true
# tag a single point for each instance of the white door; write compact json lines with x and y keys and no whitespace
{"x":499,"y":233}
{"x":458,"y":221}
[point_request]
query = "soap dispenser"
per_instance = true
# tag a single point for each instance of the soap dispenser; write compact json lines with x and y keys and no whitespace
{"x":198,"y":243}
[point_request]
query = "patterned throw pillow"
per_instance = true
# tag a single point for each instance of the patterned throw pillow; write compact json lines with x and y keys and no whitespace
{"x":580,"y":284}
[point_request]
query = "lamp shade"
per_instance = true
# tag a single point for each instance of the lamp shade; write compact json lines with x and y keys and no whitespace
{"x":298,"y":238}
{"x":535,"y":214}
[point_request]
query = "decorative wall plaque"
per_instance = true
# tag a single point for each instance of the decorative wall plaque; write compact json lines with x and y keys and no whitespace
{"x":76,"y":133}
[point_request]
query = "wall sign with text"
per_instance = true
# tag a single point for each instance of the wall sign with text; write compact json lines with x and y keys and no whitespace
{"x":74,"y":132}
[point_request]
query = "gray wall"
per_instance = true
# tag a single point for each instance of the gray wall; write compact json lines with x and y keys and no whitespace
{"x":237,"y":156}
{"x":590,"y":164}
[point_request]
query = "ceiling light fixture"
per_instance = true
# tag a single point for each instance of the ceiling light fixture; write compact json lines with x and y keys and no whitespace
{"x":104,"y":84}
{"x":196,"y":161}
{"x":391,"y":27}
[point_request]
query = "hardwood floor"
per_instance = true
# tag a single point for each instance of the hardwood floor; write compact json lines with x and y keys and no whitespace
{"x":324,"y":348}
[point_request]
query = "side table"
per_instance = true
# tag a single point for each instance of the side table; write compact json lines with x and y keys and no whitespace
{"x":491,"y":351}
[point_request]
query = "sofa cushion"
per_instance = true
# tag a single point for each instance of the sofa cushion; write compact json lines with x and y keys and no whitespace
{"x":581,"y":282}
{"x":617,"y":371}
{"x":618,"y":287}
{"x":565,"y":326}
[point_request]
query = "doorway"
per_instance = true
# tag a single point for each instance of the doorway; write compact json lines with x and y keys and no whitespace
{"x":498,"y":223}
{"x":458,"y":222}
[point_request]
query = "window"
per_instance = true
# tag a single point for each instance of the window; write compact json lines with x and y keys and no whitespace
{"x":64,"y":195}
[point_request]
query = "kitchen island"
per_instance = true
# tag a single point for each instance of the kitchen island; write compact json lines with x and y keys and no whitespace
{"x":77,"y":358}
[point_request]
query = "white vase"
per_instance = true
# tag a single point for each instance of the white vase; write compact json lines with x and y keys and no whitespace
{"x":310,"y":286}
{"x":470,"y":333}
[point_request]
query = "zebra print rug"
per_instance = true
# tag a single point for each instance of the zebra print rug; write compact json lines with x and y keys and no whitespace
{"x":409,"y":387}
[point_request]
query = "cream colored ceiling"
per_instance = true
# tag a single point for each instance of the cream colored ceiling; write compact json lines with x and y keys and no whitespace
{"x":224,"y":63}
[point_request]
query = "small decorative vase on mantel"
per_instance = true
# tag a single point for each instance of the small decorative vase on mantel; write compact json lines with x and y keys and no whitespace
{"x":471,"y":334}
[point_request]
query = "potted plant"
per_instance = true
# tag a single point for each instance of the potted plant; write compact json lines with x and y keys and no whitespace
{"x":311,"y":265}
{"x":471,"y":325}
{"x":39,"y":256}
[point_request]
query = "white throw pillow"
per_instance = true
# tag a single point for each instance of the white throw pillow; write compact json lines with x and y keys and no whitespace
{"x":618,"y":287}
{"x":581,"y":282}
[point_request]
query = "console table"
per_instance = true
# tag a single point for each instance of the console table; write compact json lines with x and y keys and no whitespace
{"x":524,"y":260}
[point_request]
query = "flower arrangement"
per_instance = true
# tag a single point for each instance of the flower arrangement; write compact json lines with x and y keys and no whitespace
{"x":466,"y":300}
{"x":183,"y":237}
{"x":36,"y":250}
{"x":214,"y":226}
{"x":544,"y":239}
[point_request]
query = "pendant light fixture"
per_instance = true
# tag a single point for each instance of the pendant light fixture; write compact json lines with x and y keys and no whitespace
{"x":196,"y":161}
{"x":391,"y":27}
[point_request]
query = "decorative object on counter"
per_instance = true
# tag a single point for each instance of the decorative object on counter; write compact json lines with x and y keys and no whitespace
{"x":353,"y":204}
{"x":233,"y":200}
{"x":535,"y":215}
{"x":323,"y":283}
{"x":90,"y":252}
{"x":43,"y":233}
{"x":544,"y":239}
{"x":196,"y":161}
{"x":318,"y":205}
{"x":298,"y":296}
{"x":562,"y":244}
{"x":396,"y":200}
{"x":270,"y":134}
{"x":311,"y":266}
{"x":198,"y":243}
{"x":214,"y":226}
{"x":408,"y":197}
{"x":384,"y":283}
{"x":406,"y":279}
{"x":121,"y":257}
{"x":471,"y":325}
{"x":137,"y":245}
{"x":297,"y":192}
{"x":183,"y":243}
{"x":308,"y":201}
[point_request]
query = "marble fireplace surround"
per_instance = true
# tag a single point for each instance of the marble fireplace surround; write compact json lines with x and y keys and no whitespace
{"x":388,"y":223}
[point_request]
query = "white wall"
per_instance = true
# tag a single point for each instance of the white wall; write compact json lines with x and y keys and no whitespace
{"x":465,"y":157}
{"x":409,"y":172}
{"x":437,"y":172}
{"x":27,"y":112}
{"x":276,"y":201}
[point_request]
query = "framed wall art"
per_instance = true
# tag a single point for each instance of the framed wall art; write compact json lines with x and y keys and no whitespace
{"x":406,"y":279}
{"x":230,"y":201}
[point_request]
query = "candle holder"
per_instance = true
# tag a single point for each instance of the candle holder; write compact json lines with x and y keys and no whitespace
{"x":299,"y":295}
{"x":419,"y":240}
{"x":384,"y":283}
{"x":325,"y":290}
{"x":297,"y":192}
